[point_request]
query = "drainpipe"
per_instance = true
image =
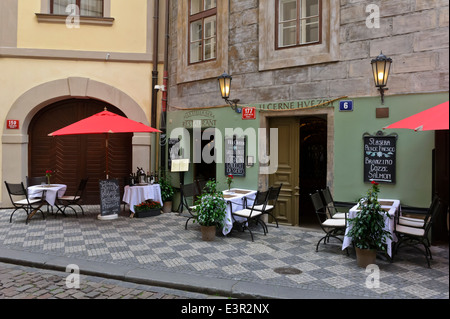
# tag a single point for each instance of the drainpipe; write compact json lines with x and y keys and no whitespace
{"x":154,"y":110}
{"x":163,"y":127}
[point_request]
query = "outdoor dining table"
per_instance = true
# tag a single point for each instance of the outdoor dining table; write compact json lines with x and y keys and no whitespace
{"x":135,"y":195}
{"x":48,"y":191}
{"x":235,"y":199}
{"x":392,"y":206}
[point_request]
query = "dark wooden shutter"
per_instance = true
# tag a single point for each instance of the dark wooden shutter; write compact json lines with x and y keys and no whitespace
{"x":77,"y":156}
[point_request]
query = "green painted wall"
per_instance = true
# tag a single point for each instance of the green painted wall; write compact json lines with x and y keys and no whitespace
{"x":414,"y":149}
{"x":224,"y":118}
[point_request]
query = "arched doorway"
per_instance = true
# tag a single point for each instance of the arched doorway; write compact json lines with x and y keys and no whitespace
{"x":78,"y":156}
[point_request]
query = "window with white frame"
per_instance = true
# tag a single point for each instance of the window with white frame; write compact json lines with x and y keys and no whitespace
{"x":88,"y":8}
{"x":202,"y":30}
{"x":298,"y":22}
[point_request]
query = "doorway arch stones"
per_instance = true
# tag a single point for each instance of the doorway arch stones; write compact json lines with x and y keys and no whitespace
{"x":15,"y":142}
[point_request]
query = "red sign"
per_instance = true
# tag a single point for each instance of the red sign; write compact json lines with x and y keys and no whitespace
{"x":12,"y":124}
{"x":249,"y":113}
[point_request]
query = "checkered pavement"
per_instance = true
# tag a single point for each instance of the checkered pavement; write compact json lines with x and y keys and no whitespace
{"x":162,"y":243}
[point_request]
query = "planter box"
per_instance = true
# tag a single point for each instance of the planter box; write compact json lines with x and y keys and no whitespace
{"x":148,"y":213}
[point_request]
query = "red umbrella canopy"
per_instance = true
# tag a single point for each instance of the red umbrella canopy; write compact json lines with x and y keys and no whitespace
{"x":104,"y":122}
{"x":432,"y":119}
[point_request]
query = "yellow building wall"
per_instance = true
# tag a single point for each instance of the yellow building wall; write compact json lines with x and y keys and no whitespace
{"x":127,"y":34}
{"x":134,"y":79}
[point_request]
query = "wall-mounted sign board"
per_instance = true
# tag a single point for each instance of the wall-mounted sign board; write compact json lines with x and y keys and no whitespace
{"x":380,"y":158}
{"x":235,"y":155}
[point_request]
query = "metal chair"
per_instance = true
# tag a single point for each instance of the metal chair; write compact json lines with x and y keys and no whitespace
{"x":189,"y":191}
{"x":413,"y":235}
{"x":247,"y":215}
{"x":274,"y":192}
{"x":333,"y":227}
{"x":31,"y":181}
{"x":331,"y":205}
{"x":418,"y":222}
{"x":73,"y":200}
{"x":25,"y":203}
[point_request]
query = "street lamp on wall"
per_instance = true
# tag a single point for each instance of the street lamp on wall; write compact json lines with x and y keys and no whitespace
{"x":225,"y":89}
{"x":381,"y":68}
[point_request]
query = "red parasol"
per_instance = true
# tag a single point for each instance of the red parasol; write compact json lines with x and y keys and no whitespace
{"x":105,"y":122}
{"x":432,"y":119}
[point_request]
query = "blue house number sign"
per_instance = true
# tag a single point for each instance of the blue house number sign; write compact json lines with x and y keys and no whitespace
{"x":346,"y":106}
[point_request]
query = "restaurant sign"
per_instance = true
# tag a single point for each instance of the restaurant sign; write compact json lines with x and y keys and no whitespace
{"x":199,"y":119}
{"x":380,"y":153}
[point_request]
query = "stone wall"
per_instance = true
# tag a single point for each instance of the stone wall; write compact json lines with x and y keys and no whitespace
{"x":414,"y":33}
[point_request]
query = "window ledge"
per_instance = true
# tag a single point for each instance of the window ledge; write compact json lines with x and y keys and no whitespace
{"x":57,"y":18}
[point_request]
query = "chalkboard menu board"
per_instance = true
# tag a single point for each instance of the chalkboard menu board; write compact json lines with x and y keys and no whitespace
{"x":235,"y":156}
{"x":380,"y":155}
{"x":109,"y":197}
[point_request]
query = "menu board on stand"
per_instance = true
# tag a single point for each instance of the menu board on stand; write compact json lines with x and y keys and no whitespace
{"x":109,"y":199}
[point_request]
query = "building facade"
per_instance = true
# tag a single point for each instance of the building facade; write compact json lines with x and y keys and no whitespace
{"x":61,"y":62}
{"x":300,"y":64}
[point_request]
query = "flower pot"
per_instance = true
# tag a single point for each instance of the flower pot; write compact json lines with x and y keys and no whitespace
{"x":208,"y":233}
{"x":365,"y":257}
{"x":167,"y":207}
{"x":148,"y":213}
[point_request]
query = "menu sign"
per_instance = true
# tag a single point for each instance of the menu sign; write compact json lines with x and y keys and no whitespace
{"x":109,"y":197}
{"x":380,"y":153}
{"x":235,"y":156}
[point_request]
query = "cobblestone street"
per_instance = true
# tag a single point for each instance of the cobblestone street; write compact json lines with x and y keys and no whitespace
{"x":19,"y":282}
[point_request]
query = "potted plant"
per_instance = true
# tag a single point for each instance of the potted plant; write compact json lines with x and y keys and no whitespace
{"x":167,"y":193}
{"x":210,"y":210}
{"x":367,"y":228}
{"x":148,"y":208}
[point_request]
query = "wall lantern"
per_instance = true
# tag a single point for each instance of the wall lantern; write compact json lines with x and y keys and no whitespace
{"x":381,"y":67}
{"x":225,"y":89}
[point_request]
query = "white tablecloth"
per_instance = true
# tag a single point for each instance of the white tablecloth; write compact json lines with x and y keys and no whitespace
{"x":394,"y":206}
{"x":134,"y":195}
{"x":236,"y":198}
{"x":52,"y":192}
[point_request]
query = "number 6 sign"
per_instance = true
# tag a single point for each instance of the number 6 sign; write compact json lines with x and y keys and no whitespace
{"x":346,"y":106}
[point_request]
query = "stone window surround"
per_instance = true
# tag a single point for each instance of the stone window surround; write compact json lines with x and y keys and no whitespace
{"x":328,"y":51}
{"x":46,"y":16}
{"x":208,"y":69}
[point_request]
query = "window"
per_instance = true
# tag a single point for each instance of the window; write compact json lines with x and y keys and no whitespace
{"x":88,"y":8}
{"x":298,"y":22}
{"x":202,"y":30}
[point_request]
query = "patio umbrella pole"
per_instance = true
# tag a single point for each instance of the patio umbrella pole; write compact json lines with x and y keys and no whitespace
{"x":106,"y":152}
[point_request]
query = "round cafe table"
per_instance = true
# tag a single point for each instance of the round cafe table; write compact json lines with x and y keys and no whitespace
{"x":134,"y":195}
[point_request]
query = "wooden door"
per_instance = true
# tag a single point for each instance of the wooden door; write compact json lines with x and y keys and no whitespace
{"x":78,"y":156}
{"x":288,"y":170}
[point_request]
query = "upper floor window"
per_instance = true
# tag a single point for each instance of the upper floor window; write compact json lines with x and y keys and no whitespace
{"x":202,"y":30}
{"x":298,"y":22}
{"x":88,"y":8}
